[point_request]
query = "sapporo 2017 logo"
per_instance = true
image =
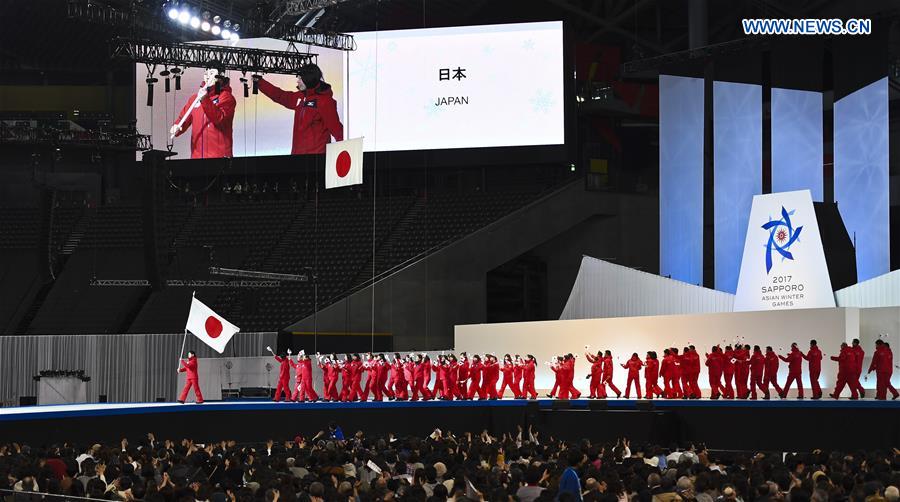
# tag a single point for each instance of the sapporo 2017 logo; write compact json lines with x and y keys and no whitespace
{"x":782,"y":235}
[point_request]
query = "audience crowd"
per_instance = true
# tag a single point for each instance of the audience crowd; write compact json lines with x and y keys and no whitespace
{"x":522,"y":466}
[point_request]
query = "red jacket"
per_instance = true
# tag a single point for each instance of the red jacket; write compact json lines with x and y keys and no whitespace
{"x":771,"y":365}
{"x":528,"y":370}
{"x":846,"y":362}
{"x":634,"y":366}
{"x":714,"y":362}
{"x":651,"y":369}
{"x":858,"y":355}
{"x":284,"y":371}
{"x":211,"y":133}
{"x":315,"y":116}
{"x":189,"y":366}
{"x":794,"y":360}
{"x":814,"y":356}
{"x":757,"y":364}
{"x":882,"y":361}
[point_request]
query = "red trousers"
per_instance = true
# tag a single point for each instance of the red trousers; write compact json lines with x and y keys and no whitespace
{"x":304,"y":390}
{"x":839,"y":386}
{"x":508,"y":382}
{"x":883,"y":384}
{"x":595,"y":385}
{"x":715,"y":385}
{"x":528,"y":387}
{"x":793,"y":377}
{"x":757,"y":382}
{"x":607,"y":380}
{"x":814,"y":382}
{"x":633,"y":379}
{"x":284,"y":386}
{"x":190,"y":382}
{"x":728,"y":392}
{"x":400,"y":390}
{"x":652,"y":388}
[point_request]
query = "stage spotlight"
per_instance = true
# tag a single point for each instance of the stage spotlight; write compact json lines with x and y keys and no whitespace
{"x":217,"y":19}
{"x":246,"y":87}
{"x":166,"y":73}
{"x":215,"y":29}
{"x":173,"y":13}
{"x":195,"y":22}
{"x":204,"y":26}
{"x":227,"y":23}
{"x":206,"y":15}
{"x":236,"y":27}
{"x":150,"y":81}
{"x":226,"y":35}
{"x":177,"y":73}
{"x":235,"y":37}
{"x":184,"y":16}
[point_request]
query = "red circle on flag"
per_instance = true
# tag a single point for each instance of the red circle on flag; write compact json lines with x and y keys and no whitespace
{"x":343,"y":163}
{"x":213,"y":327}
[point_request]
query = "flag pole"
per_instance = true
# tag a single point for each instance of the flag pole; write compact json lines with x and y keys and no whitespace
{"x":184,"y":340}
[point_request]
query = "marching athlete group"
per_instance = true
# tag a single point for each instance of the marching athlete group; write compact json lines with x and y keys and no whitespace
{"x":734,"y":372}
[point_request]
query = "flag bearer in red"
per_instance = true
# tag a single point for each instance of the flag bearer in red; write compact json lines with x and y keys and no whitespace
{"x":757,"y":372}
{"x":846,"y":371}
{"x":597,"y":389}
{"x":316,"y":119}
{"x":714,"y":363}
{"x":509,"y":377}
{"x":858,"y":355}
{"x":651,"y":375}
{"x":814,"y":357}
{"x":633,"y":366}
{"x":211,"y":119}
{"x":883,"y":366}
{"x":770,"y":374}
{"x":284,"y":375}
{"x":189,"y":366}
{"x":528,"y":370}
{"x":795,"y":371}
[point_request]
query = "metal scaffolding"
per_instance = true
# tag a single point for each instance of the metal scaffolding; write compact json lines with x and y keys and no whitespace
{"x":319,"y":38}
{"x":200,"y":56}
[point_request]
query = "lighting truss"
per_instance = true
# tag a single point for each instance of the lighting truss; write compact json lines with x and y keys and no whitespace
{"x":253,"y":274}
{"x":319,"y":38}
{"x":300,"y":7}
{"x":128,"y":139}
{"x":136,"y":17}
{"x":176,"y":283}
{"x":200,"y":55}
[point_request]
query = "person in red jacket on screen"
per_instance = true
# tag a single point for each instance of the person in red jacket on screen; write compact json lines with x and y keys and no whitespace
{"x":284,"y":375}
{"x":189,"y":366}
{"x":315,"y":110}
{"x":814,"y":357}
{"x":633,"y":366}
{"x":211,"y":119}
{"x":883,"y":366}
{"x":795,"y":371}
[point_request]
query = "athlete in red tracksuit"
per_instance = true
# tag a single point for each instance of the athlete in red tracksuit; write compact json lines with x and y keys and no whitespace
{"x":398,"y":378}
{"x":675,"y":374}
{"x":384,"y":371}
{"x":633,"y":366}
{"x":189,"y":366}
{"x":597,"y":389}
{"x":475,"y":370}
{"x":303,"y":369}
{"x":795,"y":371}
{"x":770,"y":375}
{"x":728,"y":372}
{"x":883,"y":366}
{"x":694,"y":378}
{"x":528,"y":370}
{"x":491,"y":374}
{"x":651,"y":376}
{"x":742,"y":370}
{"x":608,"y":373}
{"x":370,"y":366}
{"x":451,"y":382}
{"x":567,"y":378}
{"x":316,"y":119}
{"x":714,"y":363}
{"x":518,"y":371}
{"x":346,"y":378}
{"x":858,"y":355}
{"x":684,"y":364}
{"x":423,"y":377}
{"x":330,"y":370}
{"x":509,"y":378}
{"x":757,"y":373}
{"x":555,"y":368}
{"x":356,"y":392}
{"x":211,"y":121}
{"x":814,"y":357}
{"x":284,"y":375}
{"x":846,"y":369}
{"x":462,"y":377}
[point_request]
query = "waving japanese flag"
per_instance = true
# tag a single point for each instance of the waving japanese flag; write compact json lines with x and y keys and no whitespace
{"x":211,"y":328}
{"x":344,"y":163}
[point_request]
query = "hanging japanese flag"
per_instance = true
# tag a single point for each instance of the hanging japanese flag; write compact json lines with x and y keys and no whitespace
{"x":211,"y":328}
{"x":344,"y":163}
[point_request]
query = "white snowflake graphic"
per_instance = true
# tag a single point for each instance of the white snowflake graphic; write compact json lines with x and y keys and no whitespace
{"x":528,"y":44}
{"x":542,"y":101}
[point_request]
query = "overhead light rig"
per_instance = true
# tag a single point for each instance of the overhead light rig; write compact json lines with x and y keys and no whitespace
{"x":318,"y":38}
{"x":199,"y":56}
